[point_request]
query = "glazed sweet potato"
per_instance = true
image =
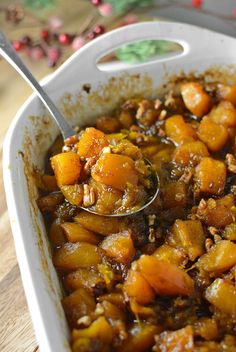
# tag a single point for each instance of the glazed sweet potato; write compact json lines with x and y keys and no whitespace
{"x":115,"y":170}
{"x":73,"y":193}
{"x":56,"y":234}
{"x":174,"y":195}
{"x":179,"y":131}
{"x":213,"y":135}
{"x":221,"y":257}
{"x":170,"y":254}
{"x":88,"y":278}
{"x":226,"y":92}
{"x":77,"y":305}
{"x":67,"y":168}
{"x":195,"y":98}
{"x":119,"y":246}
{"x":229,"y":232}
{"x":210,"y":176}
{"x":206,"y":328}
{"x":180,"y":341}
{"x":224,"y":114}
{"x":99,"y":330}
{"x":190,"y":236}
{"x":190,"y":153}
{"x":107,"y":124}
{"x":91,"y":143}
{"x":72,"y":256}
{"x":102,"y":225}
{"x":140,"y":338}
{"x":136,"y":287}
{"x":164,"y":277}
{"x":76,"y":233}
{"x":222,"y":295}
{"x":217,"y":212}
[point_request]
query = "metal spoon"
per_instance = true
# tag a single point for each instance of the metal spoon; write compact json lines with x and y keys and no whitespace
{"x":10,"y":55}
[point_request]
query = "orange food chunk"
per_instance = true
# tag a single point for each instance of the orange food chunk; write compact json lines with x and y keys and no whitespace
{"x":221,"y":257}
{"x":165,"y":277}
{"x":189,"y":234}
{"x":170,"y":254}
{"x":100,"y":224}
{"x":224,"y":113}
{"x":135,"y":286}
{"x":226,"y":92}
{"x":77,"y":233}
{"x":217,"y":212}
{"x":210,"y":176}
{"x":119,"y":246}
{"x":179,"y":131}
{"x":174,"y":195}
{"x":180,"y":340}
{"x":83,"y":277}
{"x":190,"y":153}
{"x":222,"y":295}
{"x":72,"y":256}
{"x":213,"y":135}
{"x":115,"y":170}
{"x":91,"y":143}
{"x":67,"y":168}
{"x":195,"y":98}
{"x":107,"y":124}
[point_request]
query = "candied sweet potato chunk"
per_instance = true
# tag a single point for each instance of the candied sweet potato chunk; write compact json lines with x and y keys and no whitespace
{"x":87,"y":278}
{"x":140,"y":338}
{"x":73,"y":193}
{"x":115,"y":170}
{"x":222,"y":295}
{"x":164,"y":277}
{"x":72,"y":256}
{"x":191,"y":237}
{"x":179,"y":131}
{"x":119,"y":246}
{"x":217,"y":212}
{"x":67,"y":168}
{"x":56,"y":234}
{"x":229,"y":232}
{"x":78,"y":304}
{"x":174,"y":195}
{"x":195,"y":98}
{"x":180,"y":341}
{"x":170,"y":254}
{"x":226,"y":92}
{"x":102,"y":225}
{"x":107,"y":124}
{"x":91,"y":143}
{"x":210,"y":175}
{"x":221,"y":257}
{"x":99,"y":330}
{"x":190,"y":153}
{"x":224,"y":113}
{"x":206,"y":328}
{"x":49,"y":203}
{"x":213,"y":135}
{"x":135,"y":286}
{"x":76,"y":233}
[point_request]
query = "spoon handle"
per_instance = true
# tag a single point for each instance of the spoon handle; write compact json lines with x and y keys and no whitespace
{"x":7,"y":51}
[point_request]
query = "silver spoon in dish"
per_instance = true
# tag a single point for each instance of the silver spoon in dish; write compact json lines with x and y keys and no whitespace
{"x":10,"y":55}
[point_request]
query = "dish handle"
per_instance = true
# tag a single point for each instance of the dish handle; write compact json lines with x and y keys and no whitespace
{"x":194,"y":41}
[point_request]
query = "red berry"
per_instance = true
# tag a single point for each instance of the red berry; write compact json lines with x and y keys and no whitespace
{"x":98,"y":30}
{"x":65,"y":38}
{"x":26,"y":40}
{"x":96,"y":2}
{"x":53,"y":55}
{"x":36,"y":53}
{"x":91,"y":35}
{"x":17,"y":45}
{"x":197,"y":3}
{"x":45,"y":34}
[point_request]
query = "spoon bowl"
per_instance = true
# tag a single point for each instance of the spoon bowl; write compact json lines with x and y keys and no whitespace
{"x":10,"y":55}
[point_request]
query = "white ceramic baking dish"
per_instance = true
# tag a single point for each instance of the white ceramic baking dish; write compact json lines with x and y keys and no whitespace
{"x":33,"y":131}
